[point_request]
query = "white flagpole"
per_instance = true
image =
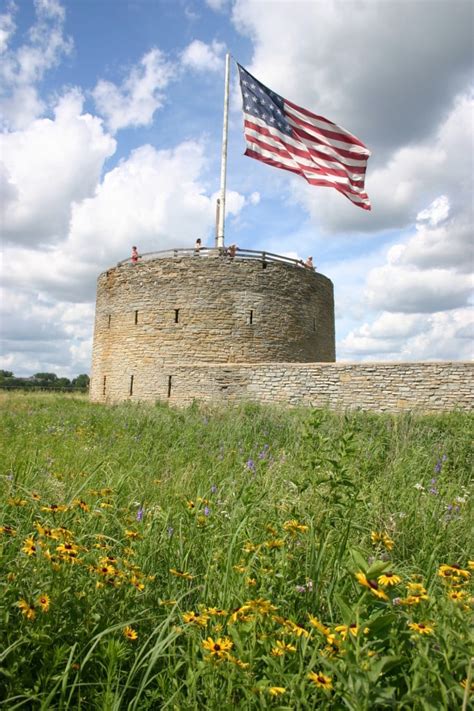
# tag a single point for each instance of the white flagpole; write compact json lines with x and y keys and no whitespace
{"x":220,"y":226}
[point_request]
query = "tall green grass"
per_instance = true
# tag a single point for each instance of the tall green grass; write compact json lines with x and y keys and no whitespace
{"x":258,"y":520}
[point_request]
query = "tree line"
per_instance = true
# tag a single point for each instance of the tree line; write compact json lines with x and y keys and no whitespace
{"x":44,"y":381}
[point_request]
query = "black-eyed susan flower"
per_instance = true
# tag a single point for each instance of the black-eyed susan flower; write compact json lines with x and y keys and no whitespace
{"x":137,"y":583}
{"x":421,"y":627}
{"x":317,"y":624}
{"x":457,"y":595}
{"x":470,"y":564}
{"x":276,"y":690}
{"x":463,"y":683}
{"x":7,"y":530}
{"x":130,"y":633}
{"x":239,"y":568}
{"x":274,"y":543}
{"x":43,"y":601}
{"x":29,"y":546}
{"x":27,"y":610}
{"x":453,"y":571}
{"x":282,"y":648}
{"x":54,"y":508}
{"x":294,"y":527}
{"x":219,"y":648}
{"x":250,"y":547}
{"x":345,"y":630}
{"x":320,"y":680}
{"x":67,"y":551}
{"x":259,"y":605}
{"x":132,"y":534}
{"x":35,"y":496}
{"x":194,"y":618}
{"x":181,"y":574}
{"x":16,"y":501}
{"x":388,"y":579}
{"x":371,"y":585}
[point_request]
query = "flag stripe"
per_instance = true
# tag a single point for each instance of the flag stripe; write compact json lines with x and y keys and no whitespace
{"x":287,"y":136}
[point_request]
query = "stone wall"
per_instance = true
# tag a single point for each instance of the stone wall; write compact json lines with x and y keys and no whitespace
{"x":380,"y":387}
{"x":161,"y":313}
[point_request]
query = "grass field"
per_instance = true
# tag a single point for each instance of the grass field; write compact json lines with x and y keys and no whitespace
{"x":239,"y":558}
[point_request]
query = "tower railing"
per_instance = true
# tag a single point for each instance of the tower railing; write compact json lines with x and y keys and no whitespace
{"x":213,"y":252}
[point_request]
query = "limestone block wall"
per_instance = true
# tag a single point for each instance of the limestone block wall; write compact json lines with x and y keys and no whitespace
{"x":379,"y":387}
{"x":162,"y":313}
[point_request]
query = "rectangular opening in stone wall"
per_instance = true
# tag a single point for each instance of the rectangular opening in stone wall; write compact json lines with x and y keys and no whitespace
{"x":176,"y":315}
{"x":104,"y":384}
{"x":169,"y":385}
{"x":131,"y":385}
{"x":264,"y":265}
{"x":251,"y":317}
{"x":314,"y":324}
{"x":108,"y":321}
{"x":136,"y":317}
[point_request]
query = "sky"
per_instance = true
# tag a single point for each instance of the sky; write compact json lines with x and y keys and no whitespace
{"x":111,"y":130}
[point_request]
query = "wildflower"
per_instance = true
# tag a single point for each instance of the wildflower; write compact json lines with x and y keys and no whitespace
{"x":238,"y":662}
{"x":130,"y":633}
{"x":78,"y":503}
{"x":16,"y":501}
{"x":294,"y":527}
{"x":192,"y":618}
{"x":250,"y":547}
{"x":26,"y":609}
{"x":131,"y":534}
{"x":464,"y":685}
{"x":276,"y":690}
{"x":345,"y":630}
{"x":420,"y":627}
{"x":457,"y":595}
{"x":67,"y":550}
{"x":314,"y":622}
{"x":275,"y":543}
{"x":54,"y":508}
{"x":213,"y":489}
{"x":419,"y":487}
{"x":219,"y":648}
{"x":140,"y":513}
{"x":388,"y":579}
{"x":259,"y":606}
{"x":239,"y":568}
{"x":181,"y":574}
{"x":44,"y":602}
{"x":372,"y":586}
{"x":453,"y":571}
{"x":35,"y":496}
{"x":206,"y":511}
{"x":470,"y":564}
{"x":136,"y":582}
{"x":321,"y":680}
{"x":29,"y":546}
{"x":281,"y":648}
{"x":215,"y":612}
{"x":106,"y":570}
{"x":250,"y":465}
{"x":190,"y":504}
{"x":7,"y":530}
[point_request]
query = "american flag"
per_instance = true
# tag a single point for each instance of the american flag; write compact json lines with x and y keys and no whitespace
{"x":287,"y":136}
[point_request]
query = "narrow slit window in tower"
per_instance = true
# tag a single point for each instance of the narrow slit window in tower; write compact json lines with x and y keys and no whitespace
{"x":251,"y":317}
{"x":169,"y":385}
{"x":104,"y":382}
{"x":314,"y":324}
{"x":109,"y":320}
{"x":131,"y":385}
{"x":136,"y":316}
{"x":176,"y":315}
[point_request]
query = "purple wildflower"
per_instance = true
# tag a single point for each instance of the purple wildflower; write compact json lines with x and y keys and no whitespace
{"x":250,"y":465}
{"x":438,"y":466}
{"x":206,"y":511}
{"x":140,"y":513}
{"x":213,"y":489}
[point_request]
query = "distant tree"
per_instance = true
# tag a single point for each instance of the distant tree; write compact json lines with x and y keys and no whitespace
{"x":81,"y":381}
{"x":62,"y":382}
{"x":6,"y":374}
{"x":51,"y":377}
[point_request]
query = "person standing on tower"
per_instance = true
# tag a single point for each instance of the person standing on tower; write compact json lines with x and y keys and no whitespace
{"x":135,"y":256}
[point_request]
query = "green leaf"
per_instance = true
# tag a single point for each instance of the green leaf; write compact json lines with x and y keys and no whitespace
{"x":359,"y":559}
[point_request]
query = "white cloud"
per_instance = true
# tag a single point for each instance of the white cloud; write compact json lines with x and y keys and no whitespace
{"x":21,"y":69}
{"x":437,"y":212}
{"x":254,"y":198}
{"x":7,"y":28}
{"x":217,"y":5}
{"x":203,"y":57}
{"x":47,"y":167}
{"x":135,"y":101}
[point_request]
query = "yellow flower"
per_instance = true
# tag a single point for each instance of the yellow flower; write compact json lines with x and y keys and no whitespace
{"x":29,"y":546}
{"x":276,"y":690}
{"x":44,"y":602}
{"x":453,"y":571}
{"x":35,"y":496}
{"x":387,"y":542}
{"x":464,"y":685}
{"x":260,"y":606}
{"x":130,"y":633}
{"x":219,"y":648}
{"x":314,"y":622}
{"x":137,"y":583}
{"x":470,"y":564}
{"x":275,"y":543}
{"x":54,"y":508}
{"x":457,"y":595}
{"x":250,"y":547}
{"x":26,"y":609}
{"x":239,"y":568}
{"x":321,"y":680}
{"x":420,"y":627}
{"x":131,"y":534}
{"x":371,"y":585}
{"x":7,"y":530}
{"x":67,"y":550}
{"x":16,"y":501}
{"x":80,"y":504}
{"x":251,"y":582}
{"x":344,"y":630}
{"x":388,"y":579}
{"x":181,"y":574}
{"x":193,"y":618}
{"x":281,"y":648}
{"x":294,"y":527}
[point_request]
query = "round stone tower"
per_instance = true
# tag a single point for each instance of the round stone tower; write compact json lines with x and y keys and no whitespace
{"x":170,"y":312}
